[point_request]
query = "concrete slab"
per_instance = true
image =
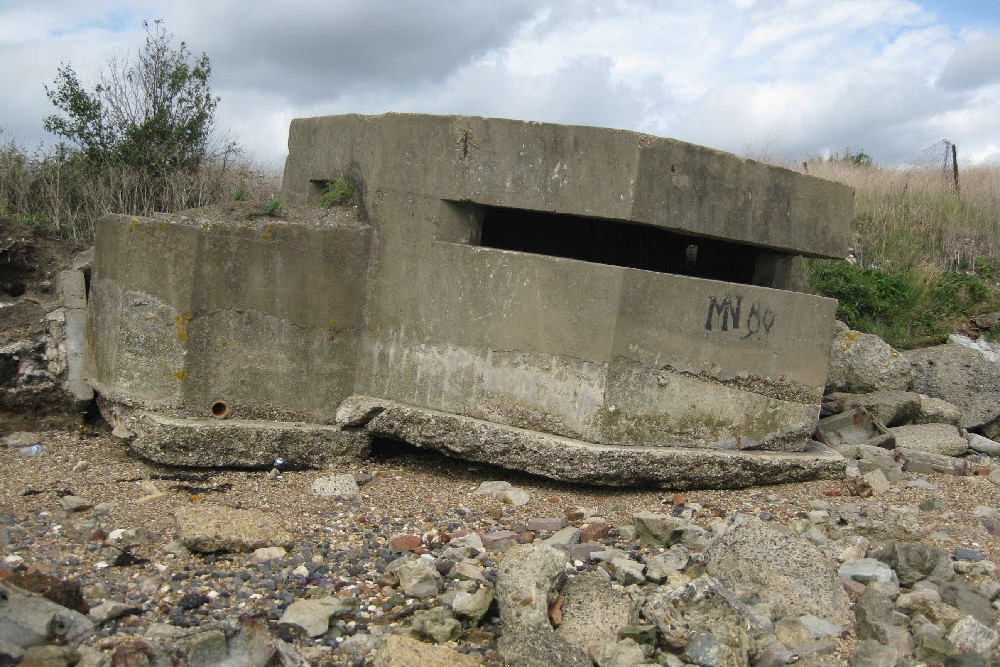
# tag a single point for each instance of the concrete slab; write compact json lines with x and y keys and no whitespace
{"x":239,"y":443}
{"x":577,"y":461}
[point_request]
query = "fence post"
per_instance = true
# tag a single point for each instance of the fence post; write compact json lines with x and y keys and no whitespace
{"x":954,"y":164}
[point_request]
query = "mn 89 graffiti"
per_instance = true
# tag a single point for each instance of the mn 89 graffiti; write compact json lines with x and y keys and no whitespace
{"x":725,"y":315}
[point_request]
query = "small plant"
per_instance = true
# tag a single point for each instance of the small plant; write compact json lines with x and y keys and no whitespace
{"x":272,"y":206}
{"x":337,"y":192}
{"x":241,"y":193}
{"x":909,"y":308}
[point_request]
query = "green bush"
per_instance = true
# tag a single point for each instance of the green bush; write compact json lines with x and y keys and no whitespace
{"x":337,"y":192}
{"x":908,"y":308}
{"x":272,"y":206}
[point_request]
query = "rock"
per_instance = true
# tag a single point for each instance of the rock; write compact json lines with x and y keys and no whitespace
{"x":336,"y":486}
{"x":210,"y":528}
{"x":890,"y":407}
{"x":401,"y":543}
{"x":937,"y":411}
{"x":124,"y":537}
{"x":398,"y":651}
{"x":961,"y":553}
{"x":755,"y":559}
{"x":492,"y":488}
{"x":792,"y":633}
{"x":941,"y":439}
{"x":968,"y":600}
{"x":473,"y":606}
{"x":418,"y":578}
{"x":877,"y":481}
{"x":547,"y":524}
{"x":499,"y":540}
{"x":312,"y":616}
{"x":110,"y":610}
{"x":705,"y":650}
{"x":63,"y":592}
{"x":628,"y":571}
{"x":703,"y":605}
{"x":594,"y":611}
{"x":50,"y":656}
{"x":870,"y":653}
{"x":28,"y":619}
{"x":667,"y":567}
{"x":989,"y":351}
{"x":437,"y":625}
{"x":515,"y":496}
{"x":915,"y":562}
{"x":851,"y":427}
{"x":265,"y":554}
{"x":659,"y":528}
{"x":862,"y":363}
{"x":75,"y":503}
{"x":930,"y":646}
{"x":819,"y":628}
{"x":525,"y":578}
{"x":564,"y":537}
{"x":867,"y":570}
{"x":978,"y":443}
{"x":467,"y":572}
{"x":960,"y":376}
{"x":875,"y":616}
{"x":623,"y":653}
{"x":594,"y":531}
{"x":969,"y":634}
{"x":926,"y":462}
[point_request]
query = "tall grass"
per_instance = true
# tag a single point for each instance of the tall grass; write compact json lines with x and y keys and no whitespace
{"x":906,"y":218}
{"x":58,"y":193}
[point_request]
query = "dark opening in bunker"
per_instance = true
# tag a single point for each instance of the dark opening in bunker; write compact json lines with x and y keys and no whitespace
{"x":622,"y":244}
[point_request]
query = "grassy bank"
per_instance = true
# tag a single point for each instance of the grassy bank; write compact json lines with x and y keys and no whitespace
{"x":925,"y":258}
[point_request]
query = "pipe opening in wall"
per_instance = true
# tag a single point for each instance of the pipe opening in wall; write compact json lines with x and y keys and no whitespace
{"x":220,"y":410}
{"x":620,"y":243}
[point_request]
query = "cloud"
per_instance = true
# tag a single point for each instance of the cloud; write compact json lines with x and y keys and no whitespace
{"x":795,"y":75}
{"x":972,"y":65}
{"x":310,"y":50}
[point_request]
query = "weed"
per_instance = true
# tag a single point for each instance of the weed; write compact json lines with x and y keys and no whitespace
{"x":272,"y":206}
{"x":337,"y":192}
{"x":908,"y":308}
{"x":240,"y":194}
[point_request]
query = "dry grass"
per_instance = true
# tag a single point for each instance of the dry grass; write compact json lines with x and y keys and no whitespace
{"x":913,"y":218}
{"x":58,"y":193}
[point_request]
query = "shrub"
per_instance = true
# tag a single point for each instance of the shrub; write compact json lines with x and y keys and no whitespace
{"x":908,"y":308}
{"x":337,"y":192}
{"x":272,"y":206}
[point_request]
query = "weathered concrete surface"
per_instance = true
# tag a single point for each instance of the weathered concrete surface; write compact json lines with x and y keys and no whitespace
{"x":577,"y":461}
{"x":262,"y":314}
{"x":72,"y":288}
{"x":568,"y":285}
{"x":587,"y":171}
{"x":239,"y":443}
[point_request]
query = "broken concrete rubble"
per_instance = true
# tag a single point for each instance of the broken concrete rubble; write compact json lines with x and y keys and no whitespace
{"x":617,"y":298}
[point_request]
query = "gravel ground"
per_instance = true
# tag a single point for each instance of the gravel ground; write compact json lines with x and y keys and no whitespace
{"x":342,"y":547}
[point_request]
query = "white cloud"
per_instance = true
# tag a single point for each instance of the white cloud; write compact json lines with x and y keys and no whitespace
{"x":794,"y":75}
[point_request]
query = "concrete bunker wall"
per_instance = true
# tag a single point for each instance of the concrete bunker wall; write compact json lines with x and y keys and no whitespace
{"x":586,"y":349}
{"x":261,"y":315}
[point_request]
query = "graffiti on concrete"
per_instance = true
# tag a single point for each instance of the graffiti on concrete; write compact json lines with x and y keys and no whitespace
{"x":724,"y":314}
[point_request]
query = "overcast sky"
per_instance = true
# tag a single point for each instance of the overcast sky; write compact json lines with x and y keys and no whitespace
{"x":784,"y":78}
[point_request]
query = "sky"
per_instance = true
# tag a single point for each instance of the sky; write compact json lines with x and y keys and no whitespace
{"x":784,"y":80}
